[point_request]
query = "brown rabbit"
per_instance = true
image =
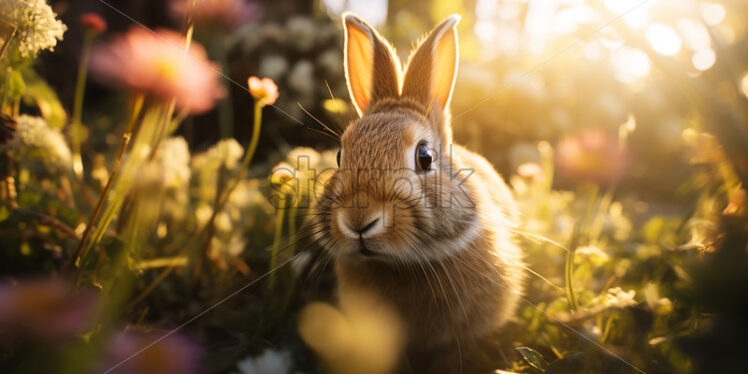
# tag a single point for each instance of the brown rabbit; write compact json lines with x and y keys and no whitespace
{"x":422,"y":224}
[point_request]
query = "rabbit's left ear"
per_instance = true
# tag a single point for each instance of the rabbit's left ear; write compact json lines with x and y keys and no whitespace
{"x":372,"y":69}
{"x":432,"y":68}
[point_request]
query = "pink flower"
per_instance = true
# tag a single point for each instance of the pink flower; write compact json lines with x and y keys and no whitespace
{"x":175,"y":354}
{"x":264,"y":90}
{"x":49,"y":310}
{"x":157,"y":65}
{"x":220,"y":13}
{"x":93,"y":22}
{"x":592,"y":156}
{"x":532,"y":171}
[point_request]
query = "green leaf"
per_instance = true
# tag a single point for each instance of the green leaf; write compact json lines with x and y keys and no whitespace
{"x":533,"y":358}
{"x":4,"y":213}
{"x":39,"y":93}
{"x":113,"y":246}
{"x":16,"y":85}
{"x":653,"y":229}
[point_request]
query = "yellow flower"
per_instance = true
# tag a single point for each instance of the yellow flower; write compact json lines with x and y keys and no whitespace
{"x":335,"y":106}
{"x":264,"y":90}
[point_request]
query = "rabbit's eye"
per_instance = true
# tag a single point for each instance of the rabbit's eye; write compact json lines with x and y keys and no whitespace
{"x":338,"y":158}
{"x":423,"y":157}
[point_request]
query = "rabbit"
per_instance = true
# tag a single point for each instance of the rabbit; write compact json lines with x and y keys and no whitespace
{"x":422,"y":225}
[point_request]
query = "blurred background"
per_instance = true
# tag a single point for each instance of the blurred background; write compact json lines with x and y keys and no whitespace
{"x":530,"y":70}
{"x":621,"y":125}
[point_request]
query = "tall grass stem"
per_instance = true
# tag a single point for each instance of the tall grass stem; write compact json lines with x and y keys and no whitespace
{"x":80,"y":90}
{"x":126,"y":137}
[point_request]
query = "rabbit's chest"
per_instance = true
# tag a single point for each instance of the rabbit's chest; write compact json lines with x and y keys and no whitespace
{"x":461,"y":298}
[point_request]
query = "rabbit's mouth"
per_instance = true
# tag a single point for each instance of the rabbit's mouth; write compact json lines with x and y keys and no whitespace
{"x":366,"y":252}
{"x":363,"y":250}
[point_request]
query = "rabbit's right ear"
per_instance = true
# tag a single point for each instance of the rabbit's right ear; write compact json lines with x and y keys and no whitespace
{"x":371,"y":68}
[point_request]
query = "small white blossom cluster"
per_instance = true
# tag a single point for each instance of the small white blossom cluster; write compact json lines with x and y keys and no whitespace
{"x":37,"y":139}
{"x":170,"y":168}
{"x":593,"y":254}
{"x":246,"y":207}
{"x":618,"y":298}
{"x":225,"y":153}
{"x":307,"y":165}
{"x":167,"y":177}
{"x":37,"y":26}
{"x":319,"y":59}
{"x":228,"y":240}
{"x":269,"y":362}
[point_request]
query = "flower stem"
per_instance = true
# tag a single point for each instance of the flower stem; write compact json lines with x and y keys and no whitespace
{"x":569,"y":268}
{"x":606,"y":330}
{"x":74,"y":261}
{"x":276,"y":240}
{"x":217,"y":207}
{"x":5,"y":46}
{"x":80,"y":90}
{"x":220,"y":203}
{"x":255,"y":136}
{"x":225,"y":107}
{"x":292,"y":225}
{"x":49,"y":221}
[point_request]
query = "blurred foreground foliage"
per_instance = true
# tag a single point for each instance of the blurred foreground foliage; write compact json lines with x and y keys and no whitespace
{"x":628,"y":160}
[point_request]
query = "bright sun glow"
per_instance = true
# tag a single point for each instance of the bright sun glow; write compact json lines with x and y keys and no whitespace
{"x":695,"y":35}
{"x":485,"y":30}
{"x":744,"y":84}
{"x":635,"y":13}
{"x":704,"y":59}
{"x":630,"y":64}
{"x":663,"y":39}
{"x":713,"y":14}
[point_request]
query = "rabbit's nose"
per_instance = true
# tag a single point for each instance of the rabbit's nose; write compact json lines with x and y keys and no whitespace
{"x":369,"y":226}
{"x":364,"y":230}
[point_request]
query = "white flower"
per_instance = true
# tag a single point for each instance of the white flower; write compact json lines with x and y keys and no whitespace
{"x":170,"y":167}
{"x":309,"y":168}
{"x":37,"y":27}
{"x":298,"y":157}
{"x":225,"y":153}
{"x":247,"y":38}
{"x":269,"y":362}
{"x":236,"y":245}
{"x":330,"y":61}
{"x":617,"y":298}
{"x":223,"y":250}
{"x":273,"y":67}
{"x":167,"y":177}
{"x":223,"y":222}
{"x":594,"y":254}
{"x":203,"y":213}
{"x":301,"y":31}
{"x":36,"y":138}
{"x":301,"y":78}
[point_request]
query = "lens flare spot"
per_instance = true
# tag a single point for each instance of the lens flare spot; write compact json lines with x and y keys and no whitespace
{"x":635,"y":13}
{"x":485,"y":30}
{"x":713,"y":14}
{"x":630,"y":64}
{"x":744,"y":84}
{"x":704,"y":59}
{"x":663,"y":39}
